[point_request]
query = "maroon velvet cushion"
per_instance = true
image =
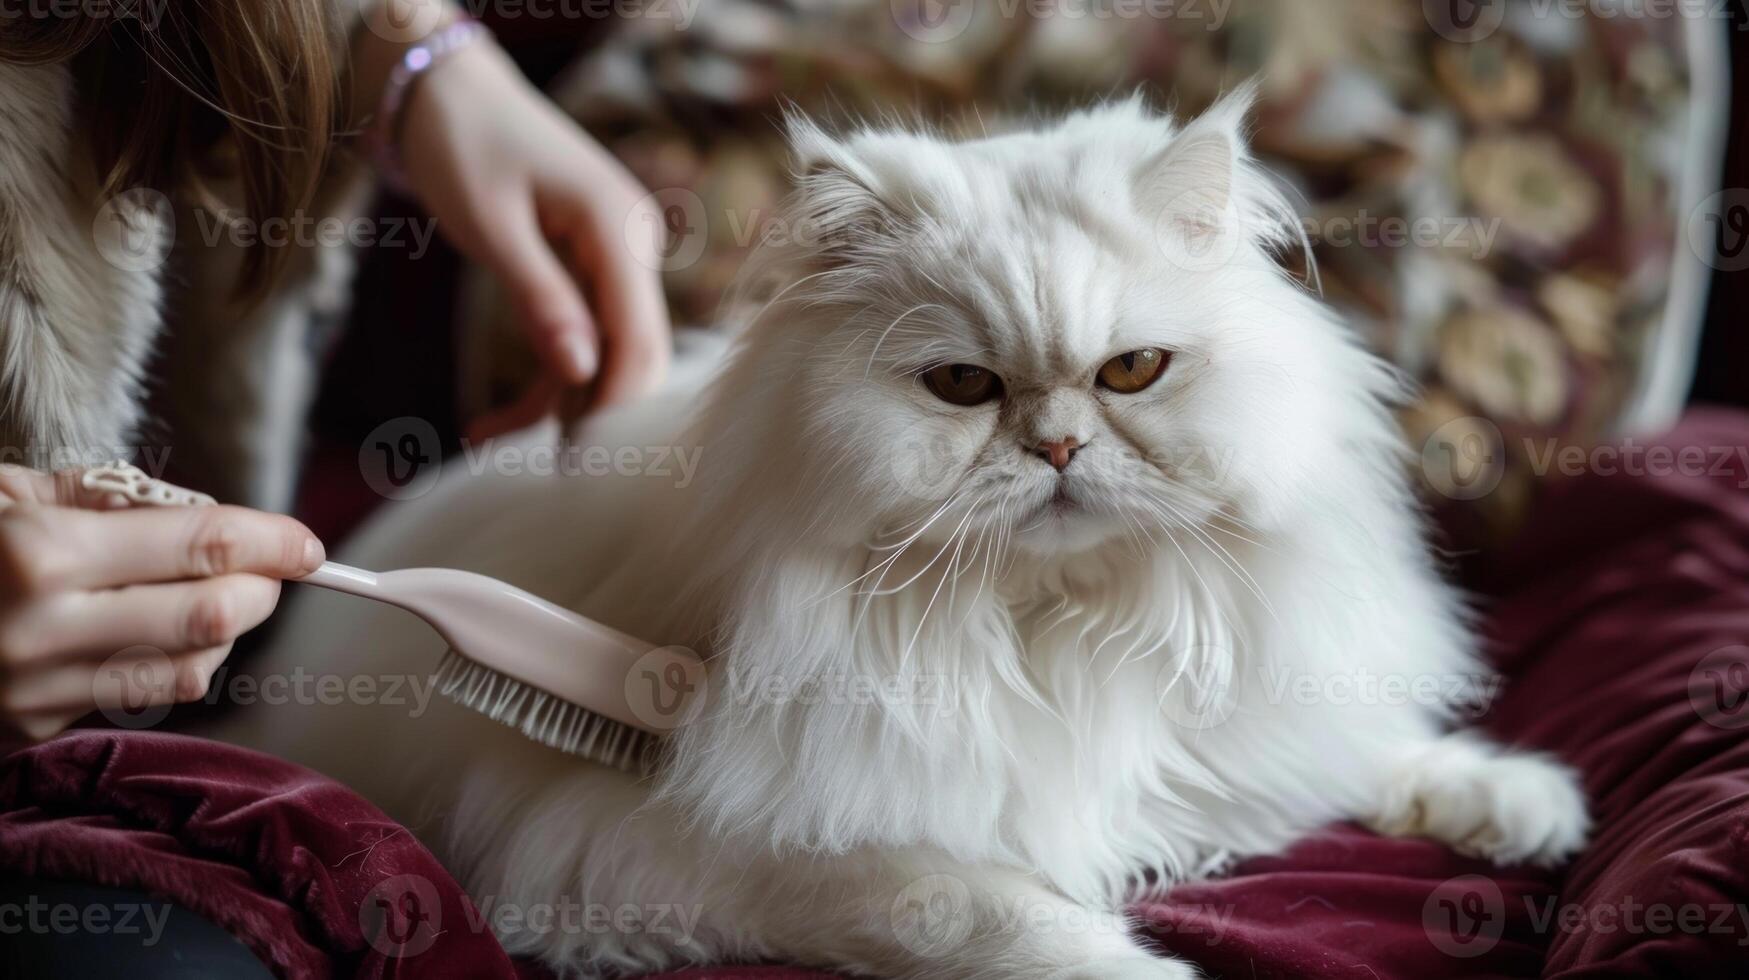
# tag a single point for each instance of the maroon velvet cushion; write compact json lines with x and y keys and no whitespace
{"x":314,"y":880}
{"x":1622,"y":621}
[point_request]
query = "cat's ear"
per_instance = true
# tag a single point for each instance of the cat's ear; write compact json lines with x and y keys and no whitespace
{"x":840,"y":205}
{"x":1191,"y":186}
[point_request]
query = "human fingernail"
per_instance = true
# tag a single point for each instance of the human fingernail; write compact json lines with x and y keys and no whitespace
{"x":314,"y":554}
{"x":579,"y":355}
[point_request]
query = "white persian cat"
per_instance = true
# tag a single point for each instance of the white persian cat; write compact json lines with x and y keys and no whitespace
{"x":1043,"y":538}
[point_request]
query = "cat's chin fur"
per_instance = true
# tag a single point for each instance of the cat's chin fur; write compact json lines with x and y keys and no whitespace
{"x":1043,"y":699}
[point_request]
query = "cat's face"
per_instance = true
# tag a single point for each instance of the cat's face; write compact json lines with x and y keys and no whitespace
{"x":1058,"y":338}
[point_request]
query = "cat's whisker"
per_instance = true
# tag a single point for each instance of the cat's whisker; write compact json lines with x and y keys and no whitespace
{"x":900,"y":548}
{"x":1222,"y":554}
{"x":947,"y":573}
{"x":951,"y":538}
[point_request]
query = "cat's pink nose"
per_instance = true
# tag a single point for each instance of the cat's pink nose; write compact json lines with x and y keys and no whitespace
{"x":1058,"y":452}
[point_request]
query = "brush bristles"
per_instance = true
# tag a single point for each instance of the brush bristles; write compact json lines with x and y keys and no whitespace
{"x":542,"y":717}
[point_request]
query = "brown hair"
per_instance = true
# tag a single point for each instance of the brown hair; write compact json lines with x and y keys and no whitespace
{"x":162,"y":83}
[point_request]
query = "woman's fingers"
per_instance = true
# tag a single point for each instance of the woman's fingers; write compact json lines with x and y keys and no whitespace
{"x":547,"y":298}
{"x":172,"y":617}
{"x":618,"y":253}
{"x":128,"y":680}
{"x":50,"y":549}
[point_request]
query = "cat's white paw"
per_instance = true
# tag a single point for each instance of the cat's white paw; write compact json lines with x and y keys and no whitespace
{"x":1142,"y":967}
{"x":1510,"y":808}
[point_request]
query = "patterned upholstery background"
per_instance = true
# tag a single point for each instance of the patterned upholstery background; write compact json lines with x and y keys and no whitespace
{"x":1499,"y":203}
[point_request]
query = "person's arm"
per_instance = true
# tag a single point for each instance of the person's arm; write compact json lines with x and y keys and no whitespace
{"x":518,"y":187}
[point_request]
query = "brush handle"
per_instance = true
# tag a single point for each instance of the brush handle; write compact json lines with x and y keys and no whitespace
{"x":524,"y":637}
{"x":345,"y":578}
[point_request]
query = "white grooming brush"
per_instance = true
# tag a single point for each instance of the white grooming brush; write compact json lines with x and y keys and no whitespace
{"x":559,"y":678}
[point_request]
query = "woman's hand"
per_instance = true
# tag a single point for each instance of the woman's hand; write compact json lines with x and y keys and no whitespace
{"x":518,"y":187}
{"x":103,"y":605}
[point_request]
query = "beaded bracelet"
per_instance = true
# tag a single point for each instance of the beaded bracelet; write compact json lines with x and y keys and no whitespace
{"x":384,"y":136}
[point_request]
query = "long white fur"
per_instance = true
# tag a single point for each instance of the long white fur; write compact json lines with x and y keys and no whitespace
{"x":75,"y":329}
{"x":1245,"y":519}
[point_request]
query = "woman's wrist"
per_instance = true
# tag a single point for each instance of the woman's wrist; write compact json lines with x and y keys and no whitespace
{"x":384,"y":137}
{"x":386,"y":33}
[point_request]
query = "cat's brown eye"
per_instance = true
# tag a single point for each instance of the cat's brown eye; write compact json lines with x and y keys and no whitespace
{"x":962,"y":384}
{"x":1129,"y":373}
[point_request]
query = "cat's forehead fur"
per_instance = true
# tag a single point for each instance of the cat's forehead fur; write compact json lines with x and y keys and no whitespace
{"x":1040,"y":245}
